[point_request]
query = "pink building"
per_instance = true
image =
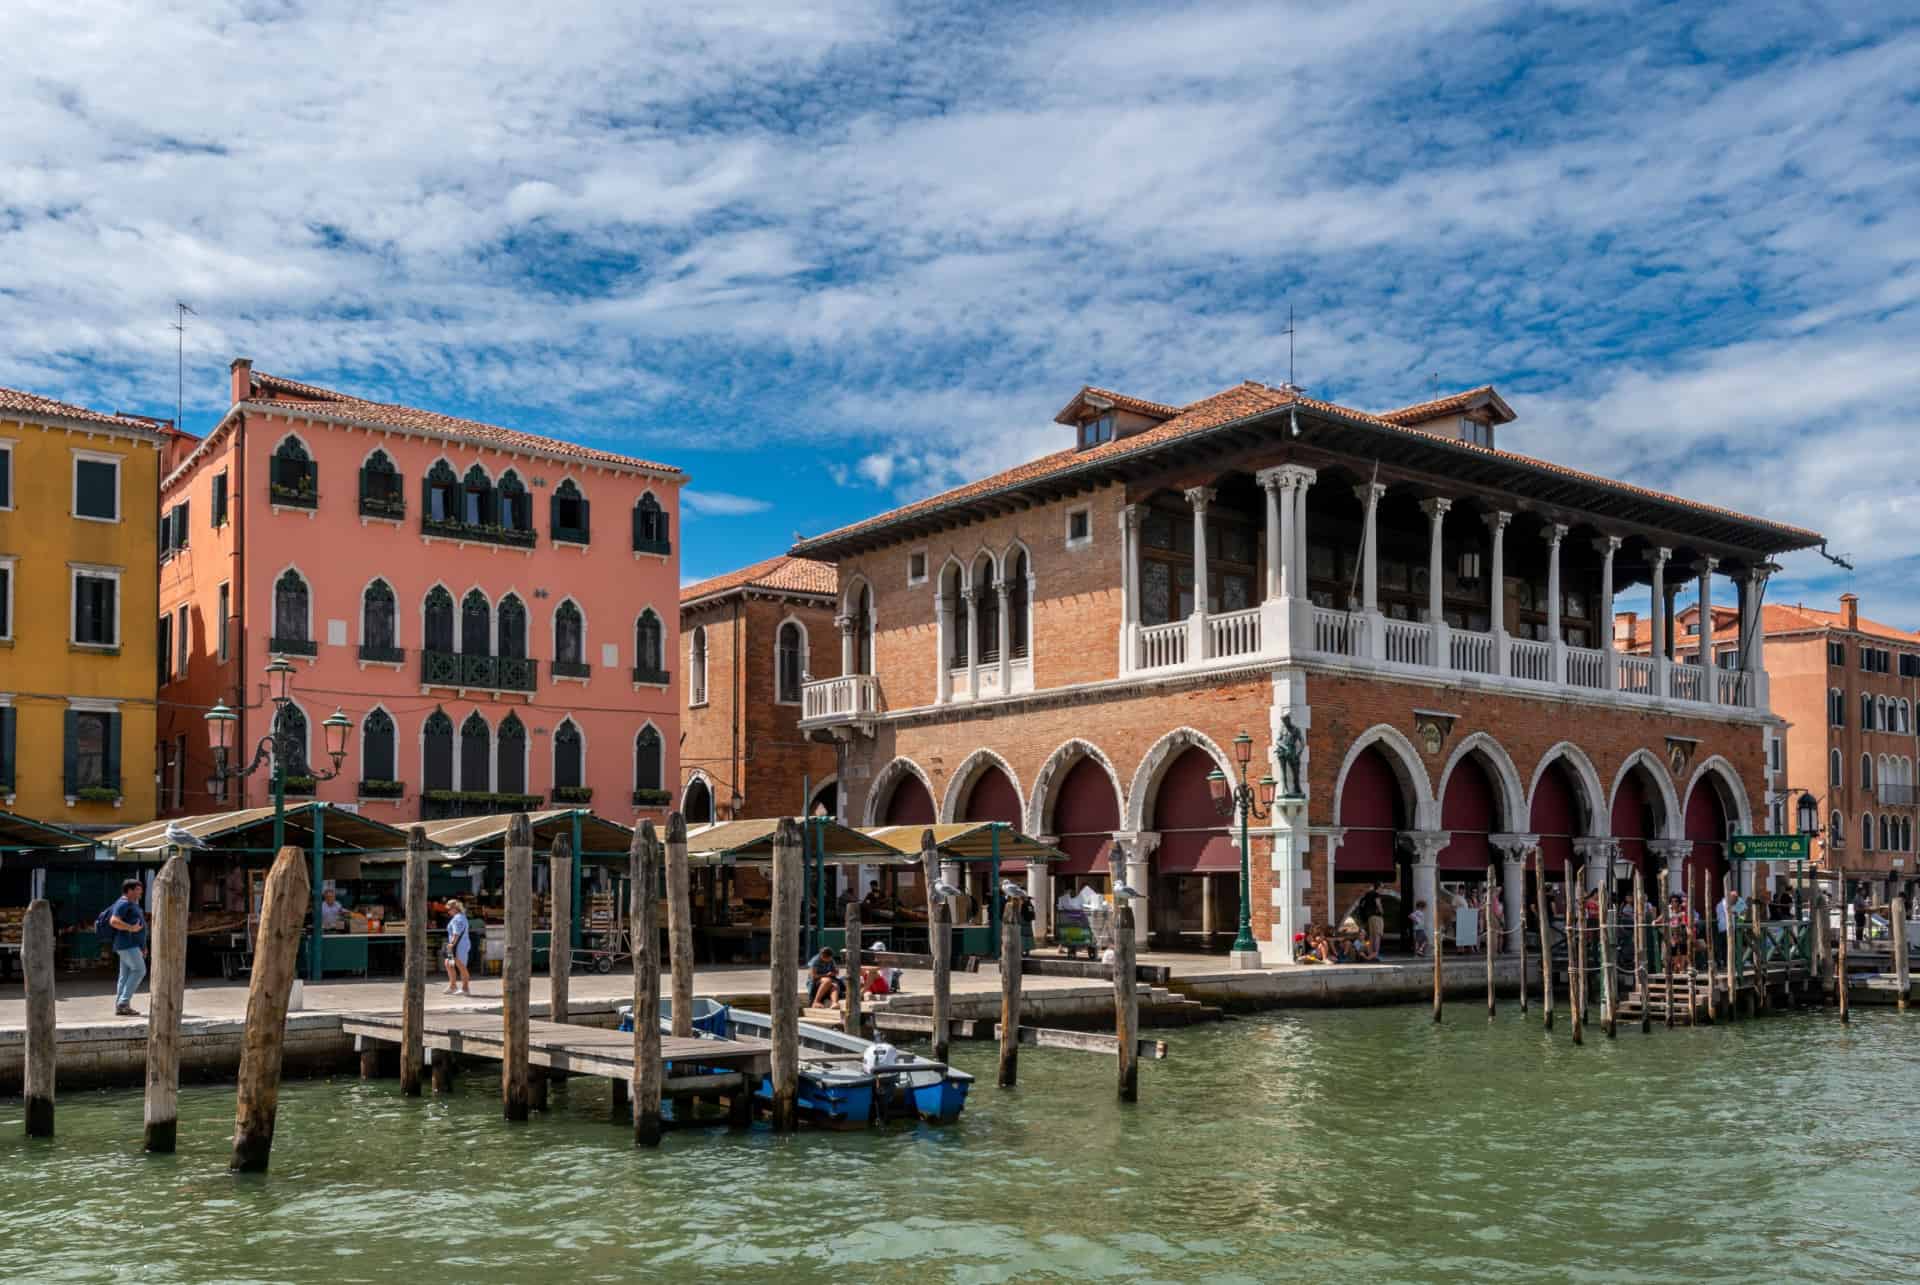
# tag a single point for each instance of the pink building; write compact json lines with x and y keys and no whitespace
{"x":444,"y":582}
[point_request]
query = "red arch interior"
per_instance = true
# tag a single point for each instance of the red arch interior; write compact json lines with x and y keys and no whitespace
{"x":909,"y":804}
{"x":993,"y":798}
{"x":1555,"y":817}
{"x":1086,"y":812}
{"x":1470,"y":812}
{"x":1706,"y":826}
{"x":1372,"y":812}
{"x":1634,"y":823}
{"x":1193,"y":835}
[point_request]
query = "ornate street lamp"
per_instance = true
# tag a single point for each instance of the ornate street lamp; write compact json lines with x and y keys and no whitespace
{"x":1228,"y":799}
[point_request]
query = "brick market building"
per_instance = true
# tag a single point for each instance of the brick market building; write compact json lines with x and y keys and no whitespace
{"x":1847,"y":687}
{"x":752,"y":639}
{"x":1073,"y":644}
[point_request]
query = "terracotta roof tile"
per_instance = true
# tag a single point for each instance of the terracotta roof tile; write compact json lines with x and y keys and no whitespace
{"x":1781,"y":618}
{"x":1243,"y":401}
{"x":312,"y":398}
{"x":14,"y":401}
{"x":1420,"y":412}
{"x":782,"y":573}
{"x":1159,"y":410}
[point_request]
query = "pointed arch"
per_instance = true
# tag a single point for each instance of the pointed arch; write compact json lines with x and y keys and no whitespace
{"x":292,"y":613}
{"x":379,"y":620}
{"x":697,"y":799}
{"x":1732,"y":792}
{"x":568,"y":511}
{"x":1593,"y":793}
{"x":513,"y":506}
{"x":651,"y":529}
{"x":511,"y":628}
{"x":950,"y":589}
{"x":510,"y":769}
{"x":856,"y":605}
{"x":697,"y":666}
{"x":379,"y":749}
{"x":1403,"y":759}
{"x":1065,"y":757}
{"x":436,"y":752}
{"x":649,"y":759}
{"x":569,"y":641}
{"x":887,"y":781}
{"x":1671,"y":826}
{"x":440,"y":492}
{"x":1017,"y":571}
{"x":1506,"y":777}
{"x":1154,"y":764}
{"x":477,"y":499}
{"x":961,"y":783}
{"x":649,"y":648}
{"x":437,"y":631}
{"x":791,"y":662}
{"x":293,"y":477}
{"x":569,"y":755}
{"x":293,"y":717}
{"x":474,"y":771}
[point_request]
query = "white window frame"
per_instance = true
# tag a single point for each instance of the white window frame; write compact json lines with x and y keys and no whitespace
{"x":222,"y":603}
{"x":1085,"y":541}
{"x":553,"y":751}
{"x":806,"y":658}
{"x":381,"y":706}
{"x":95,"y":572}
{"x":633,"y":759}
{"x":13,"y":475}
{"x":914,"y":581}
{"x":697,"y":634}
{"x":119,"y":488}
{"x":8,"y":565}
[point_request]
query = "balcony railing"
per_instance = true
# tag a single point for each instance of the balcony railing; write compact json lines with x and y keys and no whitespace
{"x":1636,"y":675}
{"x":1339,"y":633}
{"x":1586,"y":667}
{"x":482,"y":673}
{"x":1733,"y":686}
{"x":1895,"y":796}
{"x":1530,"y":660}
{"x":439,"y":805}
{"x":292,"y":647}
{"x":1684,"y":682}
{"x":849,"y":698}
{"x":1163,"y":645}
{"x":1234,"y":633}
{"x":385,"y":655}
{"x":478,"y":532}
{"x":648,"y":674}
{"x":1470,"y":652}
{"x":569,"y":669}
{"x":1408,"y":643}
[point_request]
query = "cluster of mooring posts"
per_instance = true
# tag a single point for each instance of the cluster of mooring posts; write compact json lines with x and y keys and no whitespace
{"x":531,"y":1054}
{"x":1676,"y":967}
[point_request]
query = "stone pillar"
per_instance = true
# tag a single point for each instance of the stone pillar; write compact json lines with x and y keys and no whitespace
{"x":973,"y":640}
{"x":1595,"y":855}
{"x":1556,"y":533}
{"x":1657,"y":561}
{"x":943,"y":644}
{"x":1129,"y":588}
{"x":1137,"y":848}
{"x":1436,"y":510}
{"x":1369,"y":494}
{"x":1610,"y":655}
{"x":1040,"y":889}
{"x":1334,"y":837}
{"x":845,"y":625}
{"x":1513,"y":886}
{"x":1272,"y":486}
{"x":1753,"y":657}
{"x":1199,"y":498}
{"x":1297,"y":573}
{"x":1002,"y":588}
{"x":1674,"y":853}
{"x":1288,"y":844}
{"x":1426,"y":845}
{"x":1497,"y":593}
{"x":1709,"y":679}
{"x":1276,"y":618}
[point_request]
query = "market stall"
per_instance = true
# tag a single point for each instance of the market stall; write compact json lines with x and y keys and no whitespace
{"x":735,"y":859}
{"x":983,"y":850}
{"x":38,"y":859}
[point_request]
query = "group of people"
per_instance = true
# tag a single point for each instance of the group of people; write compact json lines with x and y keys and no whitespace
{"x":829,"y":988}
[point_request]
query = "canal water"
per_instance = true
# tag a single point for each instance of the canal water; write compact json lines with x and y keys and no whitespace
{"x":1323,"y":1146}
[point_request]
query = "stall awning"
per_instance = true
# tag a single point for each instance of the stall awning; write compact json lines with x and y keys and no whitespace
{"x":250,"y":830}
{"x":731,"y":842}
{"x":23,"y":836}
{"x":966,"y":841}
{"x":488,"y":834}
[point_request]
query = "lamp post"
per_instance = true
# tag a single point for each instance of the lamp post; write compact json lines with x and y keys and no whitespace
{"x":279,"y":748}
{"x":1807,"y":813}
{"x":1230,"y":798}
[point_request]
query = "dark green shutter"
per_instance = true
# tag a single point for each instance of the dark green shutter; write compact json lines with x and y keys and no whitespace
{"x":111,"y":773}
{"x":6,"y":478}
{"x":180,"y":530}
{"x":72,"y":745}
{"x":586,"y":523}
{"x":6,"y":747}
{"x":553,"y":514}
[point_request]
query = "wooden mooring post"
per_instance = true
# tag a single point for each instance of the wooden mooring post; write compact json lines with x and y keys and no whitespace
{"x":517,"y":981}
{"x":1763,"y":1002}
{"x":1520,"y":933}
{"x":1010,"y":991}
{"x":1546,"y":940}
{"x":1817,"y":928}
{"x":1901,"y":977}
{"x":413,"y":986}
{"x":1126,"y":1004}
{"x":1488,"y":942}
{"x":853,"y":1023}
{"x":1840,"y":974}
{"x":1641,"y":938}
{"x":1437,"y":939}
{"x":276,"y":952}
{"x":680,"y":925}
{"x":1686,"y":887}
{"x":1667,"y":935}
{"x":1609,"y":982}
{"x":1577,"y":954}
{"x":788,"y":886}
{"x":1715,"y":882}
{"x":171,"y":892}
{"x":37,"y":944}
{"x":1732,"y":964}
{"x":940,"y":946}
{"x":560,"y":936}
{"x":644,"y":923}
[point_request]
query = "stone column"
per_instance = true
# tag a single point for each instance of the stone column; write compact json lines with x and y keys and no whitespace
{"x":943,"y":645}
{"x":1276,"y":624}
{"x":1426,"y":845}
{"x":1199,"y":497}
{"x":1129,"y":588}
{"x":845,"y":625}
{"x":1040,"y":888}
{"x":1334,"y":837}
{"x":1271,"y":485}
{"x":973,"y":640}
{"x":1709,"y":678}
{"x":1137,"y":848}
{"x":1497,"y":594}
{"x":1514,"y":850}
{"x":1754,"y":657}
{"x":1303,"y":478}
{"x":1002,"y":588}
{"x":1436,"y":510}
{"x":1595,"y":854}
{"x":1610,"y":656}
{"x":1556,"y":532}
{"x":1369,"y":494}
{"x":1288,"y":842}
{"x":1657,"y":561}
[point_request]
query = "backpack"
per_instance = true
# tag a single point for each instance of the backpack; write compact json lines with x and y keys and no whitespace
{"x":103,"y":925}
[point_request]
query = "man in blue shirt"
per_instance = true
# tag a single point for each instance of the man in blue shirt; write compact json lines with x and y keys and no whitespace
{"x":130,"y":944}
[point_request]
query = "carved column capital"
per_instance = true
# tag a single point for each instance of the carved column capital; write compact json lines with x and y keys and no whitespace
{"x":1200,"y":497}
{"x":1436,"y":506}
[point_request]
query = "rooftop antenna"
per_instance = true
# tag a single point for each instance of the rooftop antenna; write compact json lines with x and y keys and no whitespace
{"x":1289,"y":333}
{"x":1293,"y":388}
{"x":180,"y":314}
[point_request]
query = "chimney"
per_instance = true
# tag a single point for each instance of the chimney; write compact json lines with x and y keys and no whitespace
{"x":1850,"y":609}
{"x":241,"y":369}
{"x":1623,"y":626}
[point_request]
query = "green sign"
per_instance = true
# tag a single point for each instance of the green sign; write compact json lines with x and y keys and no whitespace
{"x":1769,"y":847}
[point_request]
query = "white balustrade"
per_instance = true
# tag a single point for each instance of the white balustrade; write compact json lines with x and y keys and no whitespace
{"x":1408,"y":643}
{"x":850,"y":696}
{"x":1531,"y":660}
{"x":1586,"y":667}
{"x":1685,"y":682}
{"x":1163,"y":645}
{"x":1236,"y":633}
{"x":1735,"y":687}
{"x":1470,"y":652}
{"x":1636,"y":675}
{"x":1339,"y":633}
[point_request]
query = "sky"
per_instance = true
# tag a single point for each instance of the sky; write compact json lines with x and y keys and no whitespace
{"x":828,"y":257}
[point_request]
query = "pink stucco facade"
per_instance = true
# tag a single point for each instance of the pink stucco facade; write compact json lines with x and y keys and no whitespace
{"x":312,"y":520}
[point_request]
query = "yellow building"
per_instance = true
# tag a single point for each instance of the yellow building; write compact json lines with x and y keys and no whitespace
{"x":79,"y":664}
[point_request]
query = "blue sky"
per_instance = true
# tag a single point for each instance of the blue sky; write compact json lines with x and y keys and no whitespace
{"x":828,"y":257}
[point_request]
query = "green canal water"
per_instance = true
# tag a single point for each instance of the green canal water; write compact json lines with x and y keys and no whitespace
{"x":1327,"y":1146}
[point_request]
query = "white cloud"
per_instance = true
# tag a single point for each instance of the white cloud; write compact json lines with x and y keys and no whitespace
{"x":720,"y":504}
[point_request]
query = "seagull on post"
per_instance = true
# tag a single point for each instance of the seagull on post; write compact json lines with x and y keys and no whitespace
{"x":1123,"y":889}
{"x":1013,"y":891}
{"x":180,"y":837}
{"x":941,"y":888}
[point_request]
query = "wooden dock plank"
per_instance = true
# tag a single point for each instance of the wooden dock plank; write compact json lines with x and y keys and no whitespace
{"x":584,"y":1050}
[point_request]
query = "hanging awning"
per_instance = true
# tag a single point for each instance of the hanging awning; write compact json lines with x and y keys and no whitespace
{"x":487,"y":835}
{"x":250,"y":830}
{"x":24,"y":837}
{"x":967,"y":841}
{"x":733,"y":842}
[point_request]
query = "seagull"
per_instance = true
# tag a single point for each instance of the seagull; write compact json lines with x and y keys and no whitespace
{"x":1122,"y":889}
{"x":941,"y":888}
{"x":181,"y":837}
{"x":1013,"y":891}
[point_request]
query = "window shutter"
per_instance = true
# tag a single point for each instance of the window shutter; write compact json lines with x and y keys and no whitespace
{"x":553,"y":513}
{"x":71,"y":772}
{"x":586,"y":524}
{"x":6,"y":747}
{"x":166,"y":533}
{"x":181,"y":525}
{"x":111,"y":775}
{"x":638,"y":533}
{"x":426,"y":497}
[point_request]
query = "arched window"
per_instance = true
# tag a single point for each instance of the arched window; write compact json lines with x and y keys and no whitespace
{"x":436,"y":752}
{"x":863,"y":631}
{"x":1866,"y":832}
{"x":476,"y":498}
{"x":290,"y":723}
{"x":510,"y":772}
{"x":476,"y":751}
{"x":1886,"y":838}
{"x":381,"y":495}
{"x":476,"y":624}
{"x":790,"y":661}
{"x":1866,"y":712}
{"x":294,"y":478}
{"x":986,"y":612}
{"x":1866,"y":771}
{"x":1906,"y":835}
{"x":649,"y":649}
{"x":291,"y":631}
{"x":567,"y":757}
{"x":953,"y":606}
{"x":441,"y":498}
{"x":697,"y":666}
{"x":1837,"y":829}
{"x":1836,"y":708}
{"x":569,"y":641}
{"x":515,"y":506}
{"x":1880,"y":713}
{"x":650,"y":526}
{"x":513,"y":628}
{"x":648,"y":763}
{"x":436,"y":620}
{"x":567,"y":514}
{"x":1017,"y":608}
{"x":1835,"y":773}
{"x":377,"y":763}
{"x":379,"y":624}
